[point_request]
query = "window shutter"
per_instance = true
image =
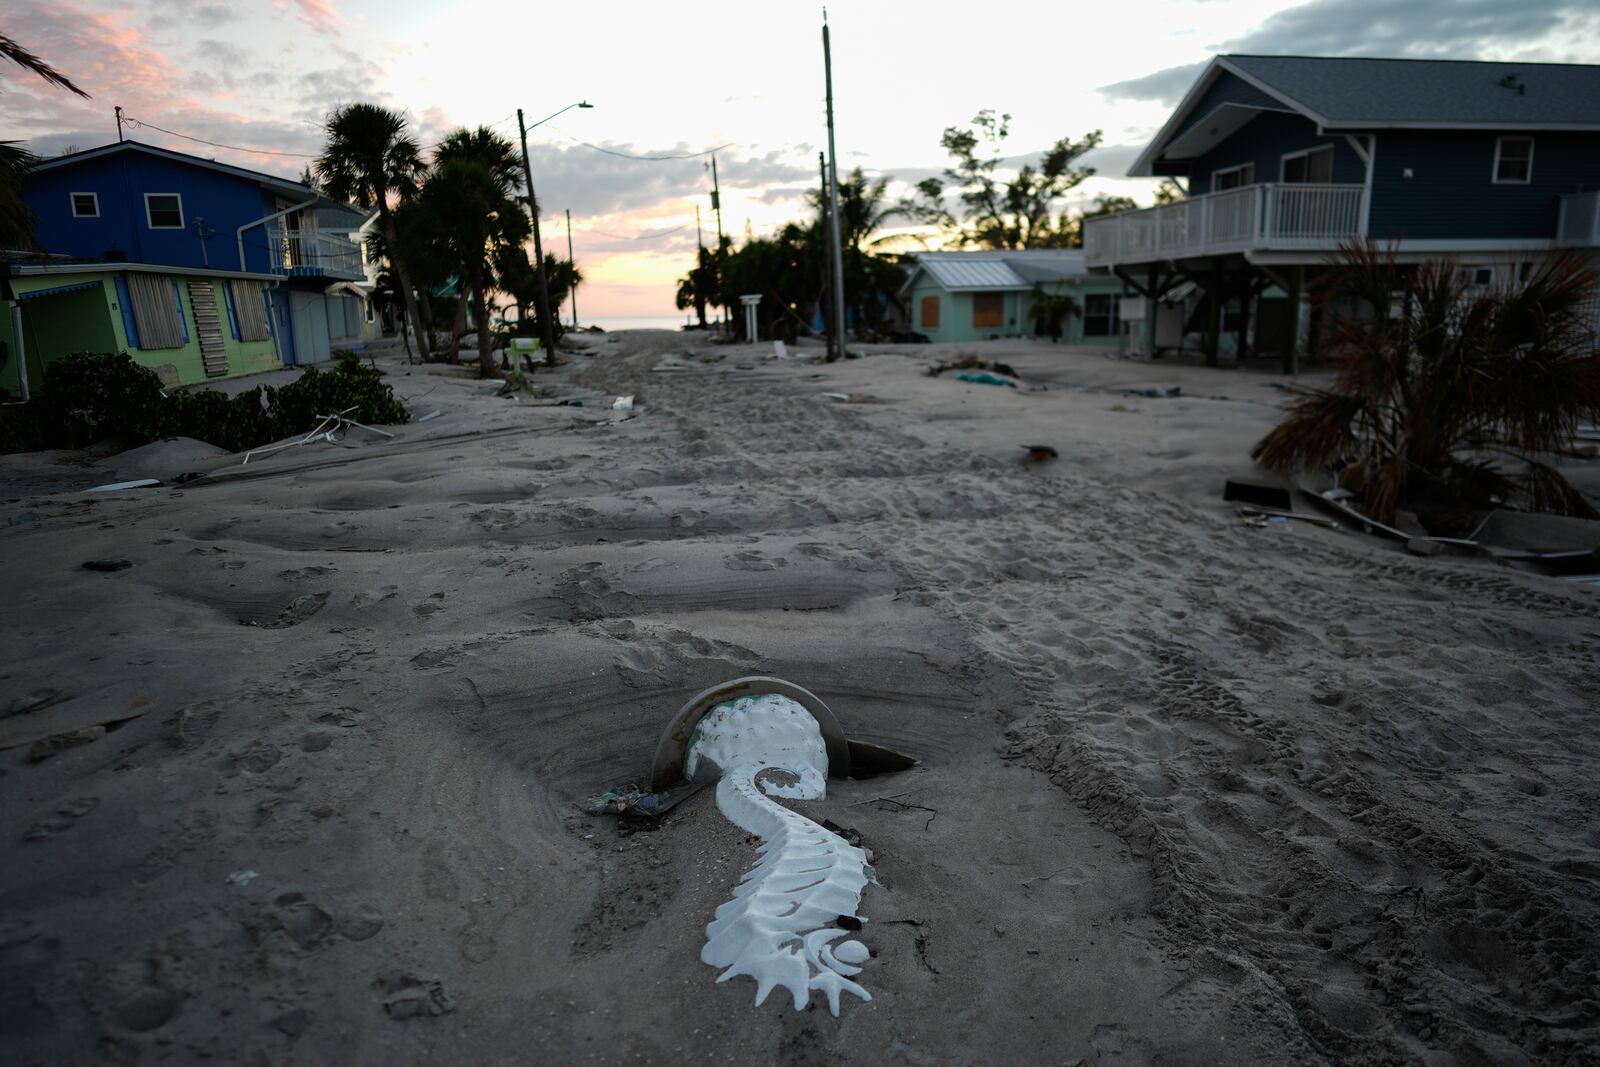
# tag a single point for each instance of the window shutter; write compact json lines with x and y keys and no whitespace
{"x":249,"y":305}
{"x":155,"y":313}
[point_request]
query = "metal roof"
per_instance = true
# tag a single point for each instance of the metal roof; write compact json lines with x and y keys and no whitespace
{"x":1354,"y":94}
{"x":992,"y":271}
{"x":1370,"y":93}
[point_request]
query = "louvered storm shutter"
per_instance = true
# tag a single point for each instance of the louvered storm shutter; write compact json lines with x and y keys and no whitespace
{"x":208,"y":327}
{"x":156,"y":314}
{"x":249,"y":303}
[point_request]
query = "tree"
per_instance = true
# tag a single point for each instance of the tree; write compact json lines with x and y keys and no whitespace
{"x":469,"y":218}
{"x":870,"y":282}
{"x":1103,"y":205}
{"x":16,"y":217}
{"x":1170,"y":192}
{"x":1441,"y":380}
{"x":367,"y":160}
{"x":995,"y":213}
{"x":518,"y":279}
{"x":1050,"y":311}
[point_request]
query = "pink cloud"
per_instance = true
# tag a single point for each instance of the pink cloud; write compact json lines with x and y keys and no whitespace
{"x":321,"y":16}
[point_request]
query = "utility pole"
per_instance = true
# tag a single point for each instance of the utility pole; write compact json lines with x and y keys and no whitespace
{"x":699,"y":241}
{"x":119,"y":123}
{"x":547,"y":335}
{"x":833,"y":191}
{"x":716,"y":205}
{"x":827,"y":287}
{"x":571,"y":262}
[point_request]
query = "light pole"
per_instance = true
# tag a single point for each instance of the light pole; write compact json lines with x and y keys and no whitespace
{"x":547,"y":335}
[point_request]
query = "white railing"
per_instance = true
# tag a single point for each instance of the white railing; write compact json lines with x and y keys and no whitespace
{"x":1288,"y":216}
{"x":1578,"y":224}
{"x":307,"y":252}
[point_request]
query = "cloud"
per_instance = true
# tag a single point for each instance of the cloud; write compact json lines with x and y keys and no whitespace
{"x":321,"y":16}
{"x":1421,"y":29}
{"x":1164,"y":86}
{"x":1458,"y":29}
{"x":206,"y":14}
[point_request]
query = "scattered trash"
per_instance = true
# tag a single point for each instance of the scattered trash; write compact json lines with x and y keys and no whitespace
{"x":971,"y":362}
{"x":138,"y":483}
{"x":1272,"y":515}
{"x":1154,"y":392}
{"x":625,"y":403}
{"x":849,"y":398}
{"x":852,"y":836}
{"x":1261,"y":494}
{"x":983,"y":377}
{"x":243,"y":878}
{"x":629,"y":800}
{"x":185,"y":479}
{"x":107,"y":565}
{"x":327,"y":430}
{"x":434,"y":414}
{"x":1039,"y":454}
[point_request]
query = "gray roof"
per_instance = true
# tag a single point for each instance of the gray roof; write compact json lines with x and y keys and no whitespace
{"x":1368,"y":93}
{"x":992,"y":271}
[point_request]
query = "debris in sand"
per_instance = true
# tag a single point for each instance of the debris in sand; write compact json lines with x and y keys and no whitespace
{"x":983,"y":377}
{"x":107,"y":564}
{"x":849,"y":398}
{"x":434,"y":414}
{"x":112,"y":487}
{"x":1039,"y":454}
{"x":779,"y":927}
{"x":973,"y":363}
{"x":243,"y":878}
{"x":330,"y":429}
{"x":1252,"y":512}
{"x":622,"y":403}
{"x":1261,"y":494}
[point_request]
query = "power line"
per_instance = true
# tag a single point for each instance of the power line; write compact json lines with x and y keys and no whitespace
{"x":645,"y":159}
{"x":641,"y":237}
{"x":139,"y":124}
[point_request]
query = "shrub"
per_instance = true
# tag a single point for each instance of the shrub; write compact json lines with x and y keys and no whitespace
{"x":89,"y":396}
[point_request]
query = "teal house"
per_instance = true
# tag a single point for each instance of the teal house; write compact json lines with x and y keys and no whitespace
{"x":977,"y":296}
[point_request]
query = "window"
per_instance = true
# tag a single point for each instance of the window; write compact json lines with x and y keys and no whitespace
{"x":1100,"y":315}
{"x":157,"y":311}
{"x":1233,"y":177}
{"x":1481,"y":276}
{"x":930,"y":313}
{"x":250,"y":305}
{"x":85,"y":205}
{"x":988,"y":309}
{"x":1513,"y":160}
{"x":1313,"y":165}
{"x":163,"y":211}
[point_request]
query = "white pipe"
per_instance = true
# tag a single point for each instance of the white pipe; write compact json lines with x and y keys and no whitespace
{"x":267,"y":219}
{"x":21,"y":349}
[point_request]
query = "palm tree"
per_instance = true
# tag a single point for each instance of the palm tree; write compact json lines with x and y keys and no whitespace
{"x":483,"y":145}
{"x":368,"y":159}
{"x":1440,"y":378}
{"x":16,"y":218}
{"x":473,"y":221}
{"x":1051,"y":310}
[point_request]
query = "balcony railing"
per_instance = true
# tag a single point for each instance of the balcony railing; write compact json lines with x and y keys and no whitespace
{"x":306,"y":253}
{"x":1268,"y":217}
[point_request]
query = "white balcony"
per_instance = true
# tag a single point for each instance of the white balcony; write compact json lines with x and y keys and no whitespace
{"x":309,"y":254}
{"x":1272,"y":217}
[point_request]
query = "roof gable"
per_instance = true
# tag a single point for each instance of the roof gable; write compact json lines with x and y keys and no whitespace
{"x":1000,"y":270}
{"x":1354,"y":94}
{"x":284,"y":185}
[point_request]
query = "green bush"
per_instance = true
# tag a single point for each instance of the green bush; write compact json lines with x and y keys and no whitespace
{"x":90,"y":396}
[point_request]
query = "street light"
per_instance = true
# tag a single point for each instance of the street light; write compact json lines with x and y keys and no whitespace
{"x":547,"y":334}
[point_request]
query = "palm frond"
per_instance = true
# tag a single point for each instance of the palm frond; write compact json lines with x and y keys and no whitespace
{"x":26,"y":59}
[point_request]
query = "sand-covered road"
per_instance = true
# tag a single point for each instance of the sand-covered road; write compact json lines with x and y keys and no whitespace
{"x":1190,"y":791}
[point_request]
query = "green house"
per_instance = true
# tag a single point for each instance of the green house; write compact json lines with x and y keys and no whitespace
{"x":977,"y":296}
{"x":188,"y":325}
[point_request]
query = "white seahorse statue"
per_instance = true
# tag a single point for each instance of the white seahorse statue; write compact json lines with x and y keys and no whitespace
{"x":778,"y":928}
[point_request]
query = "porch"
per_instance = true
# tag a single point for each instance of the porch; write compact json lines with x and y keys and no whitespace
{"x":310,"y":254}
{"x":1269,"y":217}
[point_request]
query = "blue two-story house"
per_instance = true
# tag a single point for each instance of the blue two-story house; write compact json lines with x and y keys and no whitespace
{"x":199,"y":269}
{"x":1283,"y":158}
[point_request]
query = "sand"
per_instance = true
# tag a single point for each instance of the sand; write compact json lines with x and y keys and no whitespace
{"x":1190,"y":791}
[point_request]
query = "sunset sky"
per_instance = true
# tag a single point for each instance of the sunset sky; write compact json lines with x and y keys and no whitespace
{"x":678,"y":79}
